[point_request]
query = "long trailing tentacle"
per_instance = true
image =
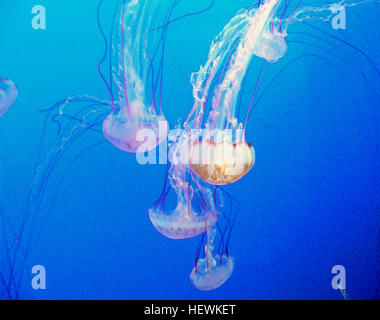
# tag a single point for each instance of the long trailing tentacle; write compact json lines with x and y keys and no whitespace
{"x":347,"y":44}
{"x":104,"y":56}
{"x":39,"y":183}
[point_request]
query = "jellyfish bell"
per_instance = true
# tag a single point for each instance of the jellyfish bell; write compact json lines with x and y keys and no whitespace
{"x":8,"y":95}
{"x":212,"y":270}
{"x":195,"y":210}
{"x":135,"y":129}
{"x":231,"y":161}
{"x":181,"y":223}
{"x":271,"y":46}
{"x":222,"y":161}
{"x":209,"y":277}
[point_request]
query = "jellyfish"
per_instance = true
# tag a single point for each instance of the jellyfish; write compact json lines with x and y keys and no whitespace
{"x":213,"y":263}
{"x":228,"y":158}
{"x":124,"y":126}
{"x":135,"y":51}
{"x":271,"y":46}
{"x":211,"y":271}
{"x":8,"y":95}
{"x":194,"y":213}
{"x":195,"y":210}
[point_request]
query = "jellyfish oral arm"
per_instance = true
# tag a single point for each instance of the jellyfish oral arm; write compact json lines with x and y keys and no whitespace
{"x":224,"y":101}
{"x":323,"y":13}
{"x":127,"y":70}
{"x":202,"y":80}
{"x":126,"y":128}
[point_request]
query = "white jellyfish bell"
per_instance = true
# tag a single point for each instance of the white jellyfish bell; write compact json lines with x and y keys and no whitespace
{"x":211,"y":271}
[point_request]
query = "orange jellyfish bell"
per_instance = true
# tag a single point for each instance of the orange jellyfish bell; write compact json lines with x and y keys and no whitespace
{"x":222,"y":162}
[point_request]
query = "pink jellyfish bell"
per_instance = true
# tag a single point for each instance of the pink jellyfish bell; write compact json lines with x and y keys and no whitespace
{"x":183,"y":222}
{"x":193,"y":215}
{"x":134,"y":124}
{"x":195,"y":211}
{"x":8,"y":95}
{"x":135,"y":129}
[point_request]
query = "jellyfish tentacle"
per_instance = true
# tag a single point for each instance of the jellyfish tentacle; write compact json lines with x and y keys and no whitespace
{"x":376,"y":69}
{"x":42,"y":172}
{"x":131,"y":63}
{"x":194,"y":212}
{"x":254,"y":96}
{"x":189,"y":15}
{"x":103,"y":58}
{"x":7,"y":284}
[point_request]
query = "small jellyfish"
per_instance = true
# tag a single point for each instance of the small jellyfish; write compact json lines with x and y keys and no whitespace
{"x":213,"y":264}
{"x":214,"y":269}
{"x":8,"y":95}
{"x":211,"y":272}
{"x":271,"y":46}
{"x":132,"y":117}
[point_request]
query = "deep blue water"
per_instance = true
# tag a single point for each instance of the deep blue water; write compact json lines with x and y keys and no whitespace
{"x":309,"y":203}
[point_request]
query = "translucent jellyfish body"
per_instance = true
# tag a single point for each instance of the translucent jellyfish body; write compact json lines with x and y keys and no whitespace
{"x":183,"y":222}
{"x":8,"y":95}
{"x":271,"y":46}
{"x":221,"y":162}
{"x":210,"y":274}
{"x":211,"y":271}
{"x":195,"y":211}
{"x":134,"y":124}
{"x":136,"y":130}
